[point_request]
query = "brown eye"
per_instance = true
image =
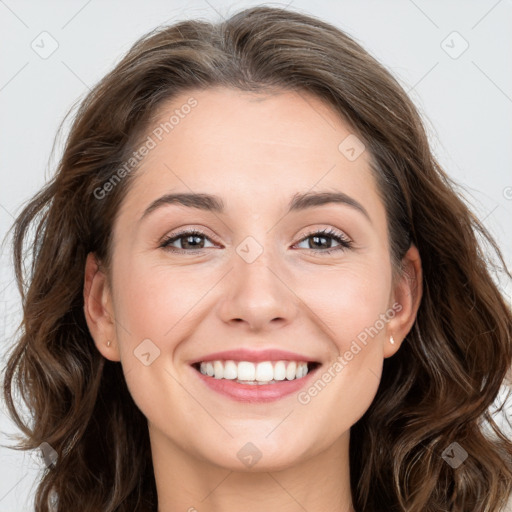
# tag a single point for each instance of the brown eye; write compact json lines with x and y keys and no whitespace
{"x":323,"y":237}
{"x":191,"y":241}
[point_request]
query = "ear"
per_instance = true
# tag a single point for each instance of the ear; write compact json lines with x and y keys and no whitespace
{"x":405,"y":297}
{"x":98,"y":309}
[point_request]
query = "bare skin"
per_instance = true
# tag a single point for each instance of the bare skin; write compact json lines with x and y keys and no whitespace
{"x":254,"y":152}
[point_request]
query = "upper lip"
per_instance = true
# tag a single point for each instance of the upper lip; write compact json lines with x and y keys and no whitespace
{"x":242,"y":354}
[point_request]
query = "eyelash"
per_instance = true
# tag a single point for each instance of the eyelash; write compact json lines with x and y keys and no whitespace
{"x":345,"y":243}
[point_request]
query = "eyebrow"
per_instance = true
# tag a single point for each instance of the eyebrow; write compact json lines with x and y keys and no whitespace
{"x":212,"y":203}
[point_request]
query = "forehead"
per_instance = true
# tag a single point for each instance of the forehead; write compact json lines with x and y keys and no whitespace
{"x":252,"y":149}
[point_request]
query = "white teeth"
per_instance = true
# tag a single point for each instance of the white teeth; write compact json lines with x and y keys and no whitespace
{"x":291,"y":370}
{"x":230,"y":370}
{"x":264,"y":372}
{"x":246,"y":372}
{"x":218,"y":369}
{"x":279,"y":370}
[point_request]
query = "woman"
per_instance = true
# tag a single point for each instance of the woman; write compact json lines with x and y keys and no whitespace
{"x":186,"y":345}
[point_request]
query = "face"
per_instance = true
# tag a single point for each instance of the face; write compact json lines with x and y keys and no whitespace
{"x":265,"y":272}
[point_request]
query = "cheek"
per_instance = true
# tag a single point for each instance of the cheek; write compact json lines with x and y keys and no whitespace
{"x":348,"y":300}
{"x":151,"y":306}
{"x":353,"y":306}
{"x":341,"y":393}
{"x":151,"y":299}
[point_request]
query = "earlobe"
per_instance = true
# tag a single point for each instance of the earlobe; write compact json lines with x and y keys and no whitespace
{"x":406,"y":294}
{"x":98,"y":309}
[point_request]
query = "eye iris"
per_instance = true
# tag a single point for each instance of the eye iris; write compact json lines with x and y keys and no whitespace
{"x":195,"y":244}
{"x":316,"y":239}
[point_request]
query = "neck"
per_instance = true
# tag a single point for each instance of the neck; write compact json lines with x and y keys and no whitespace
{"x":185,"y":483}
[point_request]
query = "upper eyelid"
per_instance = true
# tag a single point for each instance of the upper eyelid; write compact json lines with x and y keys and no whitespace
{"x":329,"y":231}
{"x":186,"y":231}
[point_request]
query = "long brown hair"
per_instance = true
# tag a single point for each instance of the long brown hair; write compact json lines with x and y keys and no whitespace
{"x":435,"y":391}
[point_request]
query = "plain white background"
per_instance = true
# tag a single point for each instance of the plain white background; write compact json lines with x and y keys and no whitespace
{"x":453,"y":58}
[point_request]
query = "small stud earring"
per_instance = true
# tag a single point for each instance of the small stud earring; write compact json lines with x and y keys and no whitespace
{"x":108,"y":343}
{"x":391,"y":340}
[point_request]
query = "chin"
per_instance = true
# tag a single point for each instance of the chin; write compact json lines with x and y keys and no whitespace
{"x":257,"y":454}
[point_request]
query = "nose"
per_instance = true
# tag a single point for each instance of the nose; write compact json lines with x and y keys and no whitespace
{"x":258,"y":296}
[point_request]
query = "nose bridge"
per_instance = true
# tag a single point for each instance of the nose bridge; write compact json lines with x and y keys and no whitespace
{"x":256,"y":292}
{"x":254,"y":262}
{"x":252,"y":267}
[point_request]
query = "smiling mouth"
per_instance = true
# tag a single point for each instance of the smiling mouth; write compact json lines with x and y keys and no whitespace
{"x":252,"y":373}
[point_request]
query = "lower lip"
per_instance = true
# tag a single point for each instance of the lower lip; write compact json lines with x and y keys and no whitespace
{"x":257,"y":392}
